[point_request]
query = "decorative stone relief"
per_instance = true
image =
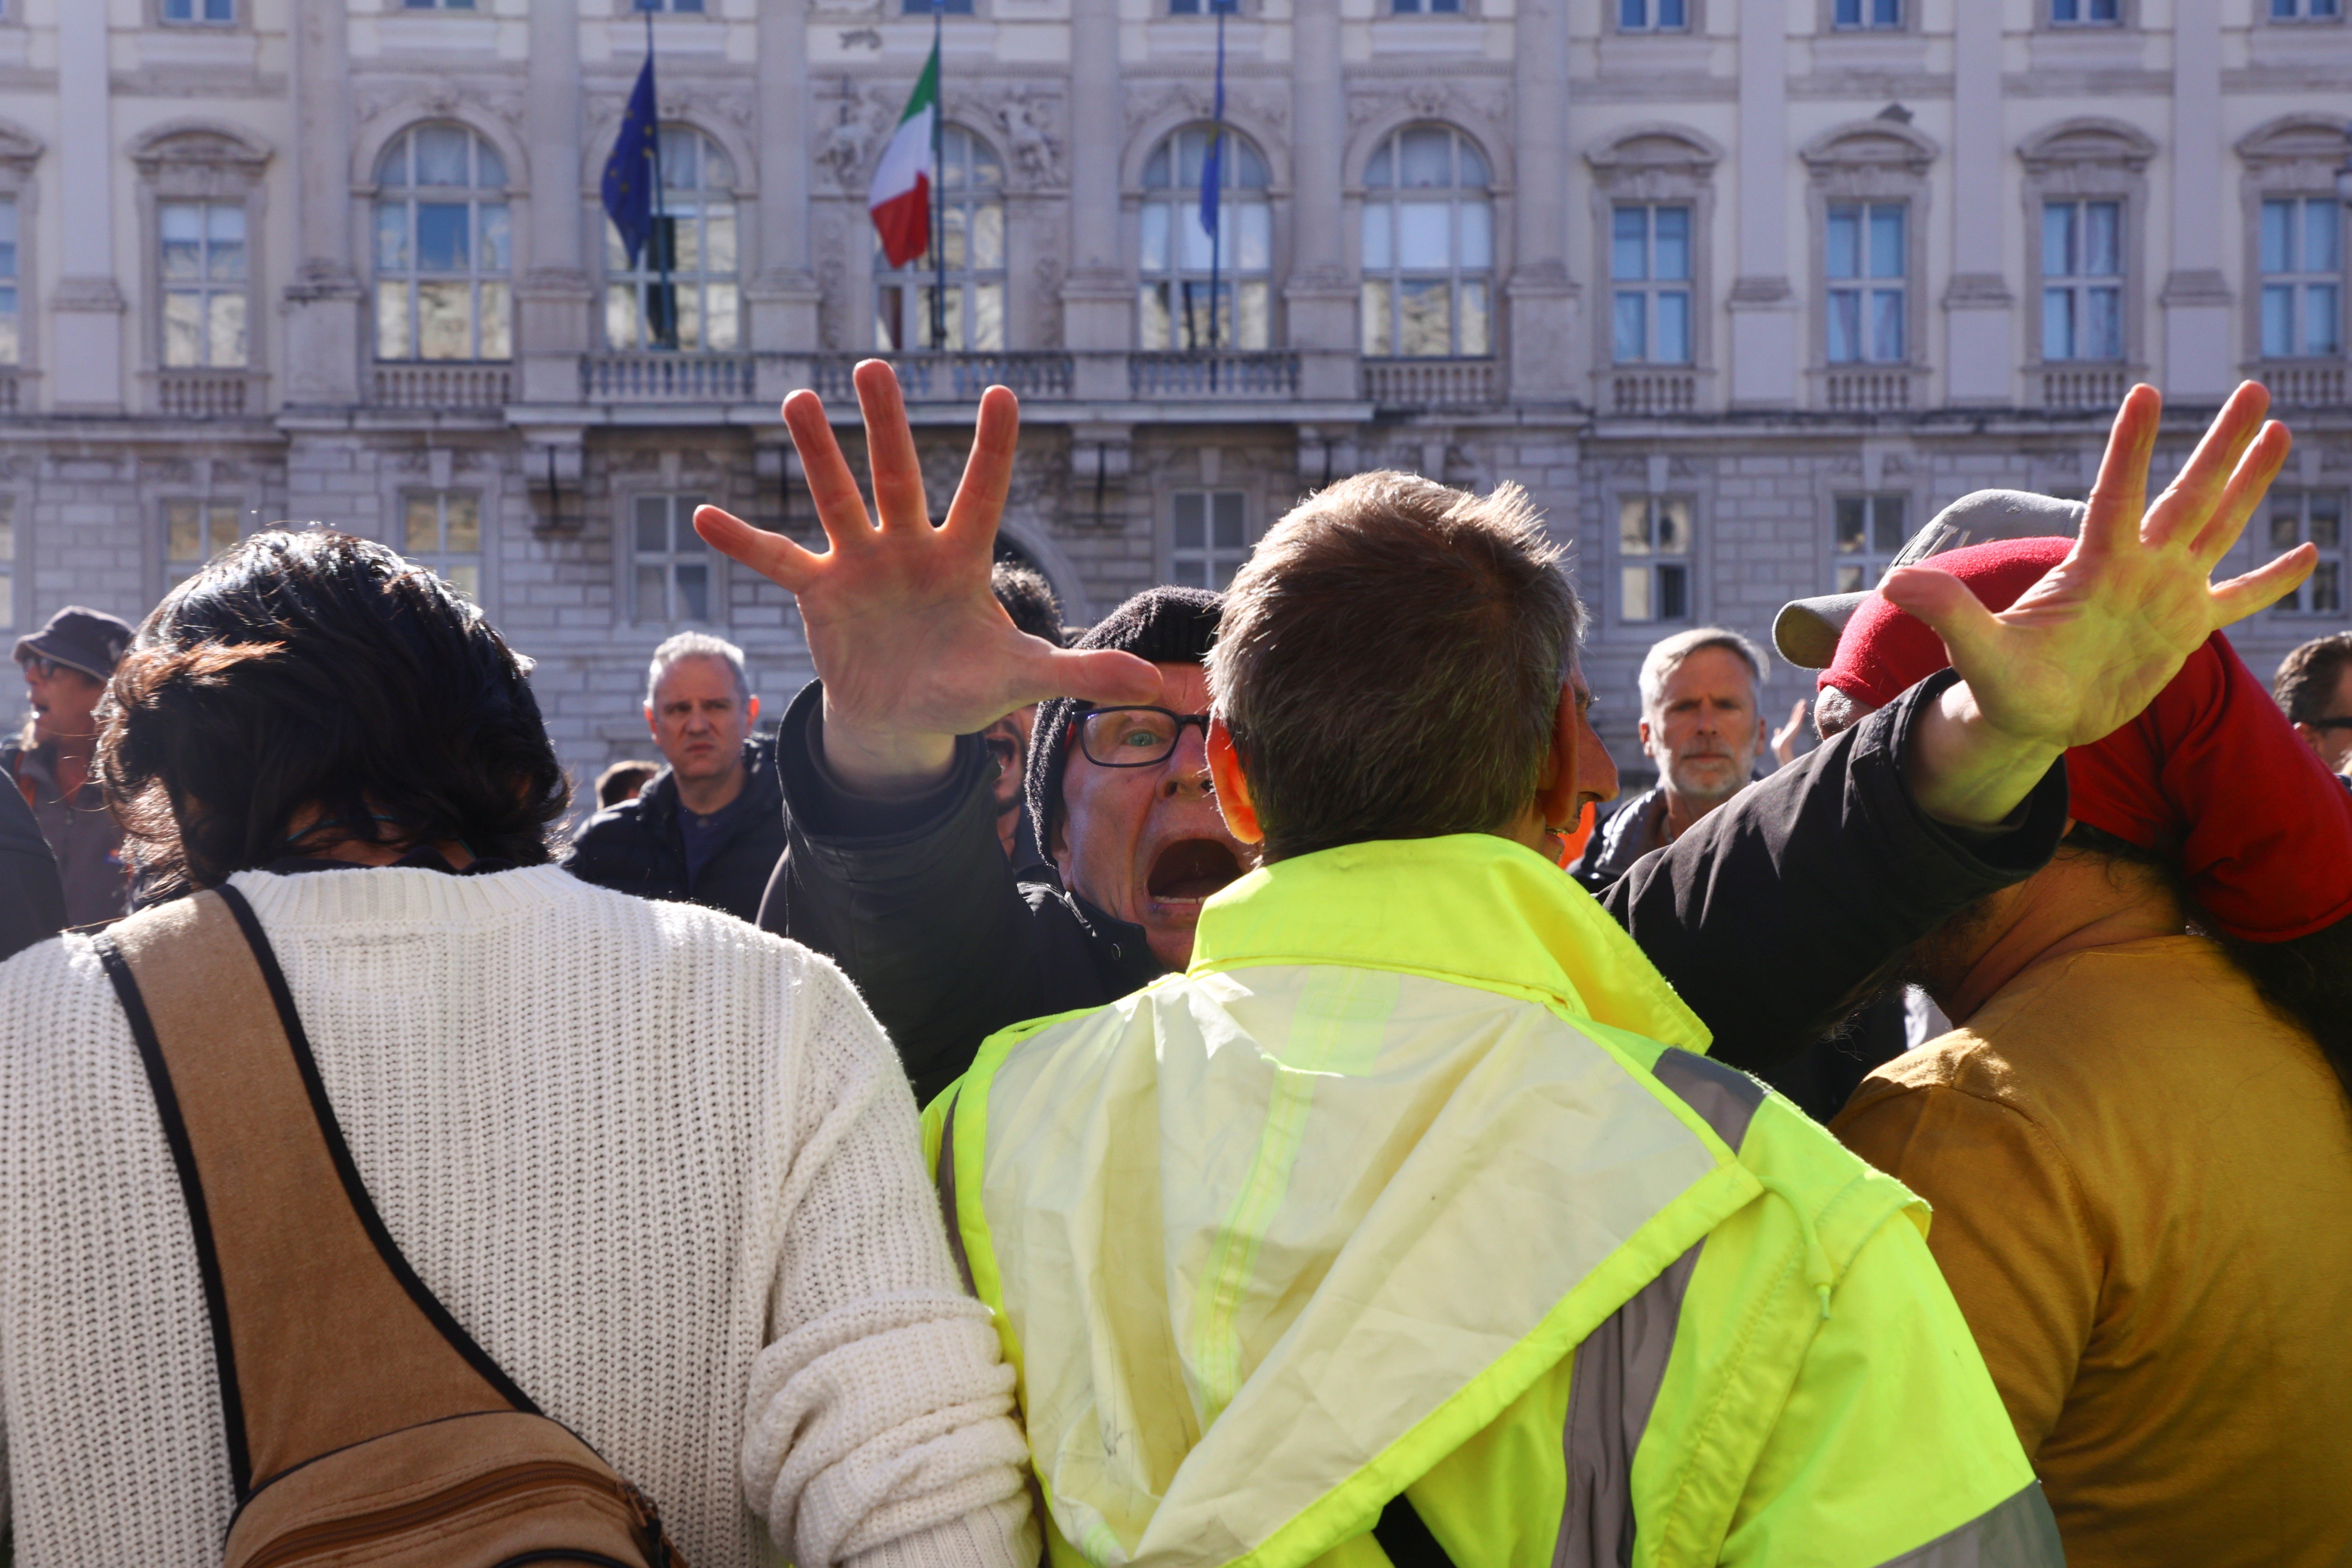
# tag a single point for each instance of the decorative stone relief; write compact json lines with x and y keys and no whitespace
{"x":1032,"y":123}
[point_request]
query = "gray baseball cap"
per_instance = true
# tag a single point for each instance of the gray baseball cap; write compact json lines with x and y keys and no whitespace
{"x":1806,"y":631}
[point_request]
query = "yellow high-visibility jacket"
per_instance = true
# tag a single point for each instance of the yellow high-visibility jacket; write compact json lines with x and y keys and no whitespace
{"x":1418,"y":1181}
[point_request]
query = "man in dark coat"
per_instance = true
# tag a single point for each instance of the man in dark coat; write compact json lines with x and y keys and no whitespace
{"x":1773,"y":916}
{"x":32,"y":903}
{"x":708,"y":828}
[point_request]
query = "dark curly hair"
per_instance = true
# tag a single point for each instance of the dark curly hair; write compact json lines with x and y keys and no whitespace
{"x":314,"y":669}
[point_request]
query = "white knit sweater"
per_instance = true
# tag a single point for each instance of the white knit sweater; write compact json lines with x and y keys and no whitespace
{"x":662,"y":1166}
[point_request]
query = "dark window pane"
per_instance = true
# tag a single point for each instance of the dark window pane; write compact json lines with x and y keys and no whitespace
{"x":1674,"y":596}
{"x":1886,"y":524}
{"x":1849,"y":524}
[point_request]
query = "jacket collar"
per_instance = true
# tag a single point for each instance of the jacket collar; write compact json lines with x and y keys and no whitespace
{"x":1470,"y":908}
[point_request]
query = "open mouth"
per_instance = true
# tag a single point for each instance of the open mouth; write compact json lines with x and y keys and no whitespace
{"x":1192,"y":868}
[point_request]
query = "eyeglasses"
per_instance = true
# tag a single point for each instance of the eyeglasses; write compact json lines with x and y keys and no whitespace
{"x":2329,"y":723}
{"x":34,"y":664}
{"x":1133,"y":737}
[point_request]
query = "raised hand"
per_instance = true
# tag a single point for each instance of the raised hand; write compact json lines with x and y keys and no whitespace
{"x":2087,"y":649}
{"x":1784,"y":739}
{"x":913,"y":648}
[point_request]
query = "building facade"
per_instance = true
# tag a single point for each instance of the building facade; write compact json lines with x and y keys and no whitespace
{"x":1741,"y":293}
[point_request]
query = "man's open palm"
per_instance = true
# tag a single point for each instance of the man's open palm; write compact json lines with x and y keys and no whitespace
{"x":2088,"y":648}
{"x":911,"y":645}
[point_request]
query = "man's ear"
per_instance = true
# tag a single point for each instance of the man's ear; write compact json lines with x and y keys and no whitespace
{"x":750,"y":712}
{"x":1556,"y":785}
{"x":651,"y":728}
{"x":1232,"y":784}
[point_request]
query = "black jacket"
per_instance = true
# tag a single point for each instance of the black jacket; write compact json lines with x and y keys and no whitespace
{"x":1774,"y":916}
{"x":32,"y":901}
{"x":1630,"y":829}
{"x":636,"y":846}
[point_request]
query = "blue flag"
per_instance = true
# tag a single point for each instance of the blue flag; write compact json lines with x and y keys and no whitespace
{"x":629,"y":171}
{"x":1213,"y":167}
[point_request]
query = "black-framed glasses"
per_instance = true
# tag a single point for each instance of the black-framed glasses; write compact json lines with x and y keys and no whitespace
{"x":47,"y":668}
{"x":1133,"y":737}
{"x":2329,"y":723}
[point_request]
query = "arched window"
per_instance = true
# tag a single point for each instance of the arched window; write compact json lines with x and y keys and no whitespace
{"x":1428,"y":247}
{"x":1178,"y":257}
{"x":971,"y":189}
{"x":694,"y":301}
{"x":443,"y":247}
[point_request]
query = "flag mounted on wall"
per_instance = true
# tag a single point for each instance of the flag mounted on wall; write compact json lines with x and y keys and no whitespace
{"x":900,"y":196}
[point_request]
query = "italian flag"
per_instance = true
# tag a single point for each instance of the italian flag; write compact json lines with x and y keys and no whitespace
{"x":900,"y":196}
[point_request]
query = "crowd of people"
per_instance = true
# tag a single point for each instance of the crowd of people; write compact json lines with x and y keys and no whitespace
{"x":1153,"y":1092}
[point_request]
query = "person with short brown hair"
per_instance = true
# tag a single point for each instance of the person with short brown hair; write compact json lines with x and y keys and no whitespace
{"x":2314,"y":688}
{"x":623,"y":780}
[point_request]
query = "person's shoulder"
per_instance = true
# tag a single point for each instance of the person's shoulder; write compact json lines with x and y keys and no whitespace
{"x":54,"y":979}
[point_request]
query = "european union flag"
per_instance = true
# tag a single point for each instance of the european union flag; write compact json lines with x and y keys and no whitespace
{"x":629,"y":171}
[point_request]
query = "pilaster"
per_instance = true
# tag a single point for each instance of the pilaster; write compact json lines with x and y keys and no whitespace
{"x":2196,"y":297}
{"x":1319,"y":301}
{"x":554,"y":297}
{"x":1762,"y":304}
{"x":323,"y":310}
{"x":1097,"y":298}
{"x":1979,"y":333}
{"x":86,"y":305}
{"x":783,"y":294}
{"x":1542,"y":294}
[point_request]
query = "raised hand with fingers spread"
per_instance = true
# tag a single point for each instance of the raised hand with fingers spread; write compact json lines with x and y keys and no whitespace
{"x":2083,"y":650}
{"x":912,"y":646}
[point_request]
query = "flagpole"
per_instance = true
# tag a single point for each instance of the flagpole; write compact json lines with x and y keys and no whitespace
{"x":939,"y":179}
{"x":668,"y":338}
{"x":1217,"y":229}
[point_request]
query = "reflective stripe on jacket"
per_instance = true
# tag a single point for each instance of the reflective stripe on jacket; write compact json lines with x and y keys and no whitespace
{"x":1418,"y":1181}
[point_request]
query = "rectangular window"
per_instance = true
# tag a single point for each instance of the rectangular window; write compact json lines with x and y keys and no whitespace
{"x":694,"y":7}
{"x":203,"y":283}
{"x":11,"y":344}
{"x":1208,"y":538}
{"x":2302,"y":278}
{"x":8,"y":563}
{"x":1866,"y":534}
{"x":441,"y":530}
{"x":924,"y":7}
{"x":1654,"y":569}
{"x":2082,"y":287}
{"x":1434,"y":7}
{"x":1870,"y":13}
{"x":2316,"y":518}
{"x":200,"y":10}
{"x":1868,"y":264}
{"x":1653,"y":15}
{"x":1650,"y":275}
{"x":672,"y":575}
{"x":2306,"y":10}
{"x":438,"y":4}
{"x":2085,"y":13}
{"x":193,"y":532}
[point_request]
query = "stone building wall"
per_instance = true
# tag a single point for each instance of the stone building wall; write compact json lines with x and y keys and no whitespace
{"x":1757,"y":118}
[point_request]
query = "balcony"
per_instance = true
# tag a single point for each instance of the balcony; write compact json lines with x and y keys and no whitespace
{"x":2087,"y":388}
{"x":444,"y":385}
{"x":1405,"y":383}
{"x":207,"y":394}
{"x":949,"y":377}
{"x":666,"y":378}
{"x":1640,"y":390}
{"x":1869,"y":389}
{"x":1214,"y":373}
{"x":2307,"y":383}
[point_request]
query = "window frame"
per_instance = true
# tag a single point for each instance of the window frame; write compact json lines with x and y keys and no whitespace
{"x":614,"y":274}
{"x":1455,"y":274}
{"x":1866,"y":286}
{"x":1182,"y":199}
{"x":13,"y":610}
{"x":208,"y":163}
{"x":15,"y":282}
{"x":2089,"y":159}
{"x":1871,"y":162}
{"x":2080,"y":286}
{"x":2046,"y":17}
{"x":162,"y":13}
{"x":439,"y":559}
{"x":415,"y":276}
{"x":1871,"y":561}
{"x":663,"y":8}
{"x":1450,"y":10}
{"x":918,"y":275}
{"x":1210,"y":553}
{"x":1658,"y":165}
{"x":208,"y":508}
{"x":1692,"y":25}
{"x":630,"y":561}
{"x":2267,"y":13}
{"x":2294,"y":158}
{"x":1623,"y":562}
{"x":2335,"y":559}
{"x":1907,"y":19}
{"x":2300,"y":280}
{"x":1649,"y":287}
{"x":953,"y":8}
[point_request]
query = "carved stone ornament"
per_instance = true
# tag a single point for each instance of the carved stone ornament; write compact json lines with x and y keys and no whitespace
{"x":1032,"y":122}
